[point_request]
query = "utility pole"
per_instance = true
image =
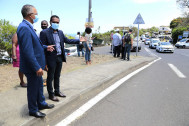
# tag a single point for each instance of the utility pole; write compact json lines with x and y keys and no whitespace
{"x":90,"y":6}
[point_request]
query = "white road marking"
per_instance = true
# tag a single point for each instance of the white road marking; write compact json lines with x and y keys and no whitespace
{"x":152,"y":54}
{"x":79,"y":112}
{"x":176,"y":70}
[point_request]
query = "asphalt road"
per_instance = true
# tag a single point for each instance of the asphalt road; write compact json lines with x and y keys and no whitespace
{"x":157,"y":96}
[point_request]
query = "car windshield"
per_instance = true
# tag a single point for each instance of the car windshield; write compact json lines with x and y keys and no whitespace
{"x":66,"y":50}
{"x":183,"y":40}
{"x":155,"y":41}
{"x":165,"y":43}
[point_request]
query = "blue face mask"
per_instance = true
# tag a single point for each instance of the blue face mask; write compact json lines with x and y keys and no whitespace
{"x":55,"y":26}
{"x":36,"y":19}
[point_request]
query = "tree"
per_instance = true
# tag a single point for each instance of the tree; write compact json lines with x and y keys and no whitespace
{"x":175,"y":22}
{"x":183,"y":4}
{"x":176,"y":32}
{"x":6,"y":32}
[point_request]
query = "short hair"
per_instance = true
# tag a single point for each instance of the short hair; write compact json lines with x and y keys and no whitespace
{"x":78,"y":33}
{"x":125,"y":33}
{"x":88,"y":30}
{"x":54,"y":16}
{"x":27,"y":9}
{"x":130,"y":30}
{"x":44,"y":21}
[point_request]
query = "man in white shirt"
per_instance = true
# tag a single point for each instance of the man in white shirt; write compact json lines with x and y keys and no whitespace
{"x":80,"y":45}
{"x":116,"y":43}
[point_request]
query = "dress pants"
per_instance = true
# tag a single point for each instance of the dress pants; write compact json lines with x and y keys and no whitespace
{"x":117,"y":51}
{"x":53,"y":73}
{"x":122,"y":51}
{"x":36,"y":99}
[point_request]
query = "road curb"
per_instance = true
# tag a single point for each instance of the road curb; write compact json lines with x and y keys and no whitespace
{"x":64,"y":109}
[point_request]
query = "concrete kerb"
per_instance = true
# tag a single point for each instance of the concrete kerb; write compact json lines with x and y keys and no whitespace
{"x":64,"y":109}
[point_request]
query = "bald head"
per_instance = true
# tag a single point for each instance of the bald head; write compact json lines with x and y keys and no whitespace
{"x":44,"y":24}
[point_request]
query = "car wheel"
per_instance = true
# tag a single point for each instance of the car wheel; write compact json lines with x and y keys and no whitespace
{"x":184,"y":46}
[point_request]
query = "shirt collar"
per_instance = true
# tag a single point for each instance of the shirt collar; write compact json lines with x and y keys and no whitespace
{"x":29,"y":23}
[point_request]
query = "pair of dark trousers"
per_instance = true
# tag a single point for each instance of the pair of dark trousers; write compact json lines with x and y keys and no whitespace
{"x":35,"y":96}
{"x":127,"y":51}
{"x":116,"y":51}
{"x":122,"y":51}
{"x":53,"y":73}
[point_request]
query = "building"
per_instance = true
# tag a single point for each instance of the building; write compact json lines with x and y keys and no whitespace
{"x":122,"y":28}
{"x":164,"y":30}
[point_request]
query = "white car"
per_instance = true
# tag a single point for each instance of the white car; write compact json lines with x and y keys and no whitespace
{"x":147,"y":41}
{"x":165,"y":47}
{"x":184,"y":43}
{"x":71,"y":51}
{"x":153,"y":43}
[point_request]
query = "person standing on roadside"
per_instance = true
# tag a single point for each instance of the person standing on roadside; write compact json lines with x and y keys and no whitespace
{"x":32,"y":61}
{"x":44,"y":25}
{"x":88,"y":45}
{"x":116,"y":43}
{"x":128,"y":40}
{"x":123,"y":46}
{"x":54,"y":59}
{"x":16,"y":59}
{"x":79,"y":46}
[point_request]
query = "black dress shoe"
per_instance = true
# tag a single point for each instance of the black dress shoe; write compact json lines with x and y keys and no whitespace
{"x":53,"y":98}
{"x":48,"y":106}
{"x":60,"y":94}
{"x":38,"y":114}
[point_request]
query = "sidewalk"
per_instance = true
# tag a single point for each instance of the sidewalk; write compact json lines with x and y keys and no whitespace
{"x":13,"y":104}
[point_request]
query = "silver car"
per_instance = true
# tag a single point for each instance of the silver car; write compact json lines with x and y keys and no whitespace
{"x":153,"y":43}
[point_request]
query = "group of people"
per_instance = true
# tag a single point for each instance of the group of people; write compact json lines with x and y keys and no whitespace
{"x":122,"y":44}
{"x":39,"y":52}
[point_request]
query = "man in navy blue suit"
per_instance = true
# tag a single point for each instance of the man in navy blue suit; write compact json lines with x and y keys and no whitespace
{"x":32,"y":61}
{"x":54,"y":36}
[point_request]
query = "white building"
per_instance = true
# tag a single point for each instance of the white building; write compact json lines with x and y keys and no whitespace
{"x":164,"y":30}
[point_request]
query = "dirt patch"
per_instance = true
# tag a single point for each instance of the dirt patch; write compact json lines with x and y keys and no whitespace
{"x":9,"y":75}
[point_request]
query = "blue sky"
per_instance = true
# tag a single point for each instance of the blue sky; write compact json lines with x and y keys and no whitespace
{"x":106,"y":13}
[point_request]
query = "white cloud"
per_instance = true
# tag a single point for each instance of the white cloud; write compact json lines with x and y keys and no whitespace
{"x":149,"y":1}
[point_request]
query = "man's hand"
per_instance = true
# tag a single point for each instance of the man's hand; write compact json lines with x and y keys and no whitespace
{"x":46,"y":68}
{"x":39,"y":72}
{"x":14,"y":58}
{"x":82,"y":39}
{"x":50,"y":48}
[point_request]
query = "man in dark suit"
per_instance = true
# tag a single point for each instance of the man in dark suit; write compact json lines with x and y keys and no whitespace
{"x":32,"y":61}
{"x":54,"y":36}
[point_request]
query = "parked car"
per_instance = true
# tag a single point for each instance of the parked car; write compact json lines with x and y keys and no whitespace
{"x":153,"y":43}
{"x":134,"y":49}
{"x":184,"y":43}
{"x":143,"y":38}
{"x":71,"y":51}
{"x":165,"y":47}
{"x":147,"y":41}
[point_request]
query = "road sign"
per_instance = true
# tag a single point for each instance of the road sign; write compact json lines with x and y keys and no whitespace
{"x":139,"y":20}
{"x":185,"y":34}
{"x":180,"y":37}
